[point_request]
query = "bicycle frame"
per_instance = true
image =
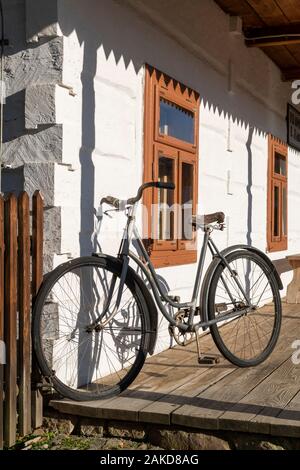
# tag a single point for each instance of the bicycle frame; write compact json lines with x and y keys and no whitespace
{"x":148,"y":270}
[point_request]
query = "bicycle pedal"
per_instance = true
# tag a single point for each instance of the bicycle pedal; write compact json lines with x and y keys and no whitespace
{"x":209,"y":360}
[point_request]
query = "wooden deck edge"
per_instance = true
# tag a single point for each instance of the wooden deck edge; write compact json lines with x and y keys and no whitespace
{"x":283,"y":428}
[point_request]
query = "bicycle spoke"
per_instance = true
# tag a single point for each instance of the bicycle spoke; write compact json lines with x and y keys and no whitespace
{"x":246,"y":336}
{"x":90,"y":361}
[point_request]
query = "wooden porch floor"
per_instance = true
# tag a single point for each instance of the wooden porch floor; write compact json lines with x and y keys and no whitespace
{"x":173,"y":389}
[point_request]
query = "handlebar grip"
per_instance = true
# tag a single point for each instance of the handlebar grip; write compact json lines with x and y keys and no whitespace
{"x":161,"y":185}
{"x":112,"y":201}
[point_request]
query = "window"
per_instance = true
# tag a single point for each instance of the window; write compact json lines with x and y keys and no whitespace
{"x":277,"y":196}
{"x":171,"y":155}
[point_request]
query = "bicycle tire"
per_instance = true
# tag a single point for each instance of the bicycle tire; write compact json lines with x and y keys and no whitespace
{"x":108,"y":265}
{"x":216,"y":328}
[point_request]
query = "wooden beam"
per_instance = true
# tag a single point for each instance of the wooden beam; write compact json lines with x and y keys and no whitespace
{"x":273,"y":36}
{"x":291,"y":74}
{"x":10,"y":320}
{"x":275,"y":41}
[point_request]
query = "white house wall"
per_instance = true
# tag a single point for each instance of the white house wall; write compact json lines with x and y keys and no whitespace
{"x":106,"y":45}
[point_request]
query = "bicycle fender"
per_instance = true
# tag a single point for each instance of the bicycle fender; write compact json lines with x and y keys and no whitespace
{"x":152,"y":310}
{"x":259,"y":253}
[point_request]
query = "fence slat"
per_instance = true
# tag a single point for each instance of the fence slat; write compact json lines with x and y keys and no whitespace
{"x":1,"y":314}
{"x":10,"y":321}
{"x":24,"y":398}
{"x":37,"y":277}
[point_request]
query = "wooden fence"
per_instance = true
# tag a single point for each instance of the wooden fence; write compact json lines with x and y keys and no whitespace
{"x":21,"y":272}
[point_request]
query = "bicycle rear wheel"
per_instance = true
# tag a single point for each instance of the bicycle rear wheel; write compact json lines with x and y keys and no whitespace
{"x":248,"y":339}
{"x":82,"y":364}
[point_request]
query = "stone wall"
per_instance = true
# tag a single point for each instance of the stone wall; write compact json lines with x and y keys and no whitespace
{"x":32,"y":135}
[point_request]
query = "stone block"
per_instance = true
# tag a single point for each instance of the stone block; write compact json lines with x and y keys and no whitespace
{"x":29,"y":178}
{"x":34,"y":66}
{"x":182,"y":440}
{"x":135,"y":432}
{"x":43,"y":145}
{"x":59,"y":424}
{"x":52,"y":229}
{"x":39,"y":106}
{"x":87,"y":427}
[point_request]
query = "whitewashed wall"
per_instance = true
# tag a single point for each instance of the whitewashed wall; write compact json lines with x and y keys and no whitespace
{"x":106,"y":45}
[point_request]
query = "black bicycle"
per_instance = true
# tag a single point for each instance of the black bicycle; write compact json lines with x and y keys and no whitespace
{"x":95,"y":318}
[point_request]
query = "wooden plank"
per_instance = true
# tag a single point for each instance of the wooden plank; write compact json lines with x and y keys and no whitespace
{"x":10,"y":322}
{"x":266,"y":36}
{"x":242,"y":9}
{"x":160,"y":411}
{"x":277,"y":390}
{"x":37,"y":241}
{"x":2,"y":346}
{"x":37,"y":278}
{"x":269,"y":12}
{"x":282,"y":57}
{"x":238,"y":416}
{"x":209,"y":406}
{"x":24,"y":398}
{"x":294,"y":50}
{"x":157,"y":370}
{"x":157,"y":397}
{"x":270,"y":42}
{"x":288,"y":420}
{"x":132,"y":403}
{"x":290,"y":8}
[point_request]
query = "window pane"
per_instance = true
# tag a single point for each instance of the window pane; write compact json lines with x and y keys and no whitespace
{"x":176,"y":121}
{"x":187,"y":200}
{"x":166,"y":200}
{"x":284,"y":211}
{"x":280,"y":164}
{"x":276,"y":211}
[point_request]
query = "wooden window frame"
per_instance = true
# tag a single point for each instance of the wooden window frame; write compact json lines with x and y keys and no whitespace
{"x":159,"y":85}
{"x":280,"y":242}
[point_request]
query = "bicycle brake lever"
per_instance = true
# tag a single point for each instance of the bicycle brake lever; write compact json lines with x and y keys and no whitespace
{"x":110,"y":210}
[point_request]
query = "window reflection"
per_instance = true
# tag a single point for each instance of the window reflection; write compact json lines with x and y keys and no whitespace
{"x":176,"y":121}
{"x":284,"y":211}
{"x":187,"y":200}
{"x":166,"y":200}
{"x":276,"y":211}
{"x":280,"y":164}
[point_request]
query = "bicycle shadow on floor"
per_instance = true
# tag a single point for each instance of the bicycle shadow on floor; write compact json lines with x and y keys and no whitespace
{"x":211,"y":404}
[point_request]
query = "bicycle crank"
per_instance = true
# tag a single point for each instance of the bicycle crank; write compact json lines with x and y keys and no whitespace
{"x":182,"y":338}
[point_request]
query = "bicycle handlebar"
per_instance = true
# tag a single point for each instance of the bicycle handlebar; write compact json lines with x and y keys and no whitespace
{"x":121,"y":204}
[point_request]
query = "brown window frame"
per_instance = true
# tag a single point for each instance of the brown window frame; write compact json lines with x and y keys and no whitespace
{"x":280,"y":242}
{"x":160,"y":86}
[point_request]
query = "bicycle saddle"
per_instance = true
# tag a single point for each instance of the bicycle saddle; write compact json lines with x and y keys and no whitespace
{"x":200,"y":220}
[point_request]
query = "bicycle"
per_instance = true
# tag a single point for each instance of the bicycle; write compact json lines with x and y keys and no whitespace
{"x":95,"y":320}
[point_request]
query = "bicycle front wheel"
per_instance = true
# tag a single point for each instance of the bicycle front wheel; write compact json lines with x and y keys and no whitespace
{"x":83,"y":363}
{"x":249,"y":338}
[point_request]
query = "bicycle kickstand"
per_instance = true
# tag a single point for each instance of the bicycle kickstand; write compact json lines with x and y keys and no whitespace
{"x":205,"y":358}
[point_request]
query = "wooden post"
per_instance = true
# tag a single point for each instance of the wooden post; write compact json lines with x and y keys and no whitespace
{"x":24,"y":398}
{"x":10,"y":322}
{"x":37,"y":278}
{"x":1,"y":315}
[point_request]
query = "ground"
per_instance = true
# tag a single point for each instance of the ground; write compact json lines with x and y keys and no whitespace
{"x":69,"y":434}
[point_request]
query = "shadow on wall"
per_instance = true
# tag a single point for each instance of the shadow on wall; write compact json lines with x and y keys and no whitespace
{"x":108,"y":27}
